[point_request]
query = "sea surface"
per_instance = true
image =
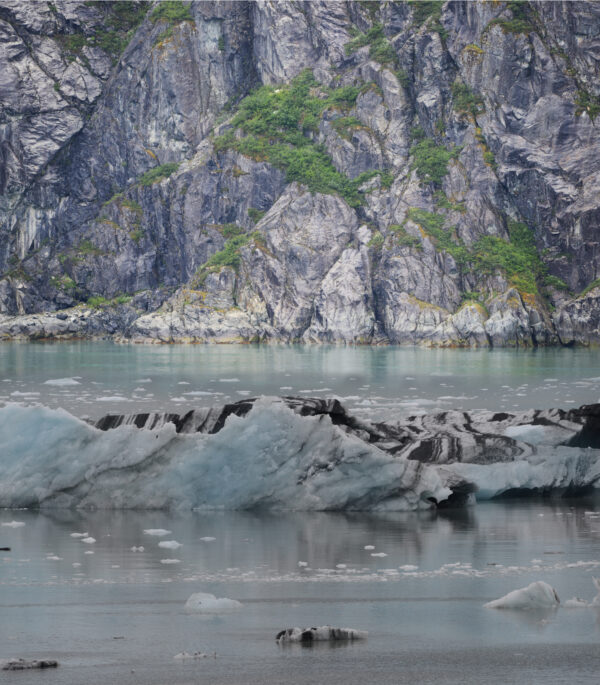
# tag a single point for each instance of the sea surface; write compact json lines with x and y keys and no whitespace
{"x":118,"y":616}
{"x":111,"y":615}
{"x":379,"y":383}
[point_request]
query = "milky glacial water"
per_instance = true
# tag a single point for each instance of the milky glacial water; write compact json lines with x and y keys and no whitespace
{"x":379,"y":383}
{"x":117,"y":616}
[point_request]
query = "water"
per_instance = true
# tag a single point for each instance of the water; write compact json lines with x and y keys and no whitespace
{"x":119,"y":616}
{"x":377,"y":383}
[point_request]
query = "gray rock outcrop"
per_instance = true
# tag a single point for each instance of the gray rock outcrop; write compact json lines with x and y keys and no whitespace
{"x":446,"y":191}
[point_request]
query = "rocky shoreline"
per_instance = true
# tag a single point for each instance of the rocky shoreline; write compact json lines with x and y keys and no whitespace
{"x":510,"y":322}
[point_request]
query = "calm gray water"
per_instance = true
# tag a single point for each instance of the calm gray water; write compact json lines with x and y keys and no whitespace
{"x":422,"y":603}
{"x":375,"y":382}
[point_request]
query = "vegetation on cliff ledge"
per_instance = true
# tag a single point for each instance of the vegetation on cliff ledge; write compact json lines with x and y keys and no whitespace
{"x":279,"y":124}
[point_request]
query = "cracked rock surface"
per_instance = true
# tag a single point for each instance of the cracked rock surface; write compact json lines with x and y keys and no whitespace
{"x":122,"y":215}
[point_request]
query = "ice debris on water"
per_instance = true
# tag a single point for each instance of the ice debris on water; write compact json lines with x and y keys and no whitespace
{"x":577,"y":603}
{"x":205,"y":603}
{"x":89,"y":540}
{"x":64,"y":382}
{"x":378,"y":554}
{"x":537,"y":595}
{"x":13,"y":524}
{"x":207,"y":538}
{"x":184,"y":656}
{"x":79,"y":535}
{"x":369,"y":547}
{"x":137,"y":549}
{"x":170,"y":544}
{"x":321,"y":634}
{"x":170,"y":561}
{"x":26,"y":664}
{"x":159,"y":532}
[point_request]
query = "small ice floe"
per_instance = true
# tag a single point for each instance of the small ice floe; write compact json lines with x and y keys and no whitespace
{"x":170,"y":561}
{"x":205,"y":603}
{"x":229,"y":380}
{"x":26,"y":664}
{"x":137,"y":549}
{"x":186,"y":656}
{"x":341,"y":566}
{"x":321,"y":634}
{"x":79,"y":535}
{"x":159,"y":532}
{"x":170,"y":544}
{"x":207,"y":538}
{"x":369,"y":547}
{"x":62,"y":382}
{"x":303,"y":564}
{"x":89,"y":552}
{"x":89,"y":540}
{"x":13,"y":524}
{"x":408,"y":567}
{"x":378,"y":554}
{"x":53,"y":557}
{"x":537,"y":595}
{"x":575,"y":603}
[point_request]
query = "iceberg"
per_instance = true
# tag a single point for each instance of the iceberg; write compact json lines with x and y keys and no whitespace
{"x":291,"y":453}
{"x":537,"y":595}
{"x":270,"y":457}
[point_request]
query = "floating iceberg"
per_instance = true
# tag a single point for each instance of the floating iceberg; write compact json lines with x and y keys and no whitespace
{"x":321,"y":634}
{"x":291,"y":453}
{"x":205,"y":603}
{"x":271,"y":457}
{"x":537,"y":595}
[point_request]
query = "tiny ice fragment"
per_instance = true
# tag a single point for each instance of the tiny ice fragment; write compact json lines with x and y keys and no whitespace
{"x":170,"y":544}
{"x":157,"y":531}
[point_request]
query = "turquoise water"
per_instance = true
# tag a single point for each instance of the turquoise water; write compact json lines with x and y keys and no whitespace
{"x":375,"y":382}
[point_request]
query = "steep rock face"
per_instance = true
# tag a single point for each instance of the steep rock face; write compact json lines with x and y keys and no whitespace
{"x":467,"y":129}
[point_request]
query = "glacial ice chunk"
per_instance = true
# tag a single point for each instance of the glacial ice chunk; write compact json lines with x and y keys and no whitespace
{"x":205,"y":603}
{"x":321,"y":634}
{"x":159,"y":532}
{"x":537,"y":595}
{"x":272,"y":457}
{"x":170,"y":544}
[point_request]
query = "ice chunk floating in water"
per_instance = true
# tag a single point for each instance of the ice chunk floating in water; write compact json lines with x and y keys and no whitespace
{"x":205,"y":603}
{"x":321,"y":634}
{"x":538,"y":595}
{"x":271,"y":457}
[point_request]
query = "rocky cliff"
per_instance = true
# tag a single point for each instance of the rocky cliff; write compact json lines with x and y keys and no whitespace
{"x":354,"y":172}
